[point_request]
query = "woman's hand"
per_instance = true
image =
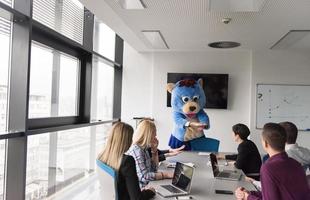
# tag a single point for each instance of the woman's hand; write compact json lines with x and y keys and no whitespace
{"x":167,"y":175}
{"x":154,"y":144}
{"x":174,"y":152}
{"x":149,"y":188}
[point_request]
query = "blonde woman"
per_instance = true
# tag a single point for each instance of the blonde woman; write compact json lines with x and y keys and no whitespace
{"x":146,"y":164}
{"x":118,"y":143}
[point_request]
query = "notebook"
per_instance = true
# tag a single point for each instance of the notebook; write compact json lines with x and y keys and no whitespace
{"x":225,"y":174}
{"x":181,"y":182}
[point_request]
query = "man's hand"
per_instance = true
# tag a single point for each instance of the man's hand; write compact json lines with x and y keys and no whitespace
{"x":241,"y":193}
{"x":251,"y":180}
{"x":198,"y":125}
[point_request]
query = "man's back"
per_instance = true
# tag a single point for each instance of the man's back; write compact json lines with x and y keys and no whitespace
{"x":283,"y":178}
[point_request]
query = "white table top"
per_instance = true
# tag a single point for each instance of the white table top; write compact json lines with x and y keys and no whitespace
{"x":204,"y":184}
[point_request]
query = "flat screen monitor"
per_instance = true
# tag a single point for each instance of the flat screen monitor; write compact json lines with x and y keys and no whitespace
{"x":215,"y":87}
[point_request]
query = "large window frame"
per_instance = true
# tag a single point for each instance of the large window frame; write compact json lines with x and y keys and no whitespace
{"x":25,"y":31}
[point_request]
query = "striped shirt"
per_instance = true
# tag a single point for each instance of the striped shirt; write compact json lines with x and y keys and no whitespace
{"x":146,"y":169}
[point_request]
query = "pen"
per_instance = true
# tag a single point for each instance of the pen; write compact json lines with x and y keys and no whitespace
{"x":184,"y":197}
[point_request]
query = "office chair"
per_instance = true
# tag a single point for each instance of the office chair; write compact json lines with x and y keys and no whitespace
{"x":108,"y":181}
{"x":206,"y":145}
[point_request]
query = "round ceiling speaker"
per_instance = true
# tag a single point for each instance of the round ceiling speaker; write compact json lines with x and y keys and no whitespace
{"x":224,"y":44}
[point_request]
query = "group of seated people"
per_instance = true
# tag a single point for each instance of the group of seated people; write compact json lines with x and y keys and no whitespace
{"x":135,"y":156}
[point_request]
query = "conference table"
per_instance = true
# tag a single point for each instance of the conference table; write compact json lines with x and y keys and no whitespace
{"x":203,"y":183}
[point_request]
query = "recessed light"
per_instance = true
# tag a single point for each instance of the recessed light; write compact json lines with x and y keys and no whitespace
{"x":156,"y":39}
{"x":224,"y":44}
{"x":132,"y":4}
{"x":294,"y":39}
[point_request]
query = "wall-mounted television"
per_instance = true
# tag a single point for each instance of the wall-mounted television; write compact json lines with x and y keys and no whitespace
{"x":215,"y":87}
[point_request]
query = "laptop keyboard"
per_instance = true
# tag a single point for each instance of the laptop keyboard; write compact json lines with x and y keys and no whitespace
{"x":171,"y":189}
{"x":225,"y":174}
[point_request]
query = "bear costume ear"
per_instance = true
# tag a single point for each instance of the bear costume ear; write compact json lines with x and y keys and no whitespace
{"x":170,"y":87}
{"x":200,"y":81}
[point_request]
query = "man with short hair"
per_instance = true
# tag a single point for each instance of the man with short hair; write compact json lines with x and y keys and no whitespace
{"x":248,"y":158}
{"x":282,"y":177}
{"x":301,"y":154}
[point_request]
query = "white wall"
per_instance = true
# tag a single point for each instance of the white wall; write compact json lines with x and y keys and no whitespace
{"x":236,"y":64}
{"x":137,"y":85}
{"x":279,"y":67}
{"x":145,"y":77}
{"x":148,"y":82}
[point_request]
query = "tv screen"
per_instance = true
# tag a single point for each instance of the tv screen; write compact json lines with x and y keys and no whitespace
{"x":215,"y":87}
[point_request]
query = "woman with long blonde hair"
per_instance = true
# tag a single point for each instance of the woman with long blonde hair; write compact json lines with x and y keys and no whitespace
{"x":119,"y":141}
{"x":146,"y":164}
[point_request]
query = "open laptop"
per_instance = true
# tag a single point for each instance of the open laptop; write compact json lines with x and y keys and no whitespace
{"x":225,"y":174}
{"x":181,"y":182}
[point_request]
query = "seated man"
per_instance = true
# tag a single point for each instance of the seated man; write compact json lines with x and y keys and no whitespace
{"x":301,"y":154}
{"x":281,"y":177}
{"x":248,"y":158}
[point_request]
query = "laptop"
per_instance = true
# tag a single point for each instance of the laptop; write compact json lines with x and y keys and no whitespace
{"x":181,"y":182}
{"x":225,"y":174}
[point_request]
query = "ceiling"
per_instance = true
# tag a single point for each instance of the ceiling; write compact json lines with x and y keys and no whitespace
{"x":188,"y":25}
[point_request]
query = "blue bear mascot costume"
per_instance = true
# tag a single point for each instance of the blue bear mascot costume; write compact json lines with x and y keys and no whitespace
{"x":187,"y":101}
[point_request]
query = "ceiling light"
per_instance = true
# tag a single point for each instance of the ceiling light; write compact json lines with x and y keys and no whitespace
{"x":224,"y":44}
{"x":294,"y":39}
{"x":236,"y":5}
{"x":132,"y":4}
{"x":156,"y":39}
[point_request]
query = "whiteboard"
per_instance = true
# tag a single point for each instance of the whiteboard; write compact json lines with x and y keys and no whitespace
{"x":278,"y":103}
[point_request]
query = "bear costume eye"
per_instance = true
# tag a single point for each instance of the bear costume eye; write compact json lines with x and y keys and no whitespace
{"x":195,"y":98}
{"x":185,"y":99}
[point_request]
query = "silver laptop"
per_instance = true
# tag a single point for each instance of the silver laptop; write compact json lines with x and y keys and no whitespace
{"x":181,"y":182}
{"x":225,"y":174}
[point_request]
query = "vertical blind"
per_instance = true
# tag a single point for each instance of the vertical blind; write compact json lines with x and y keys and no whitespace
{"x":63,"y":16}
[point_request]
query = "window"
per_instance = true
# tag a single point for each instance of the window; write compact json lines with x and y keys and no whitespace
{"x":2,"y":167}
{"x":57,"y":160}
{"x":54,"y":83}
{"x":102,"y":90}
{"x":104,"y":40}
{"x":64,"y":16}
{"x":73,"y":156}
{"x":102,"y":133}
{"x":7,"y":2}
{"x":37,"y":166}
{"x":5,"y":38}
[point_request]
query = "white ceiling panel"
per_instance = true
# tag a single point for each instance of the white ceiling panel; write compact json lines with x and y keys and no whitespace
{"x":189,"y":25}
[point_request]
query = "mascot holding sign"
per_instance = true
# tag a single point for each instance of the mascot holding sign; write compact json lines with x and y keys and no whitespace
{"x":187,"y":101}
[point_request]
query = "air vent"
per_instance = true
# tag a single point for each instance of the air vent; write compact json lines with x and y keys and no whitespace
{"x":224,"y":45}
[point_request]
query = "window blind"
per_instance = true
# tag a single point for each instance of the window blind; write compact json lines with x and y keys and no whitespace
{"x":7,"y":2}
{"x":5,"y":26}
{"x":63,"y":16}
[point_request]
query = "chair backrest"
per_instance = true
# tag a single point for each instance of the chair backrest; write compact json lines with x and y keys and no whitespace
{"x":108,"y":181}
{"x":205,"y":144}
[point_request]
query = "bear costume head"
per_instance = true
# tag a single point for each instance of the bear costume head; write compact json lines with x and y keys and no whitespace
{"x":187,"y":96}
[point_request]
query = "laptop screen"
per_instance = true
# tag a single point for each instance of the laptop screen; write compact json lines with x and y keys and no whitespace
{"x":215,"y":167}
{"x":182,"y":177}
